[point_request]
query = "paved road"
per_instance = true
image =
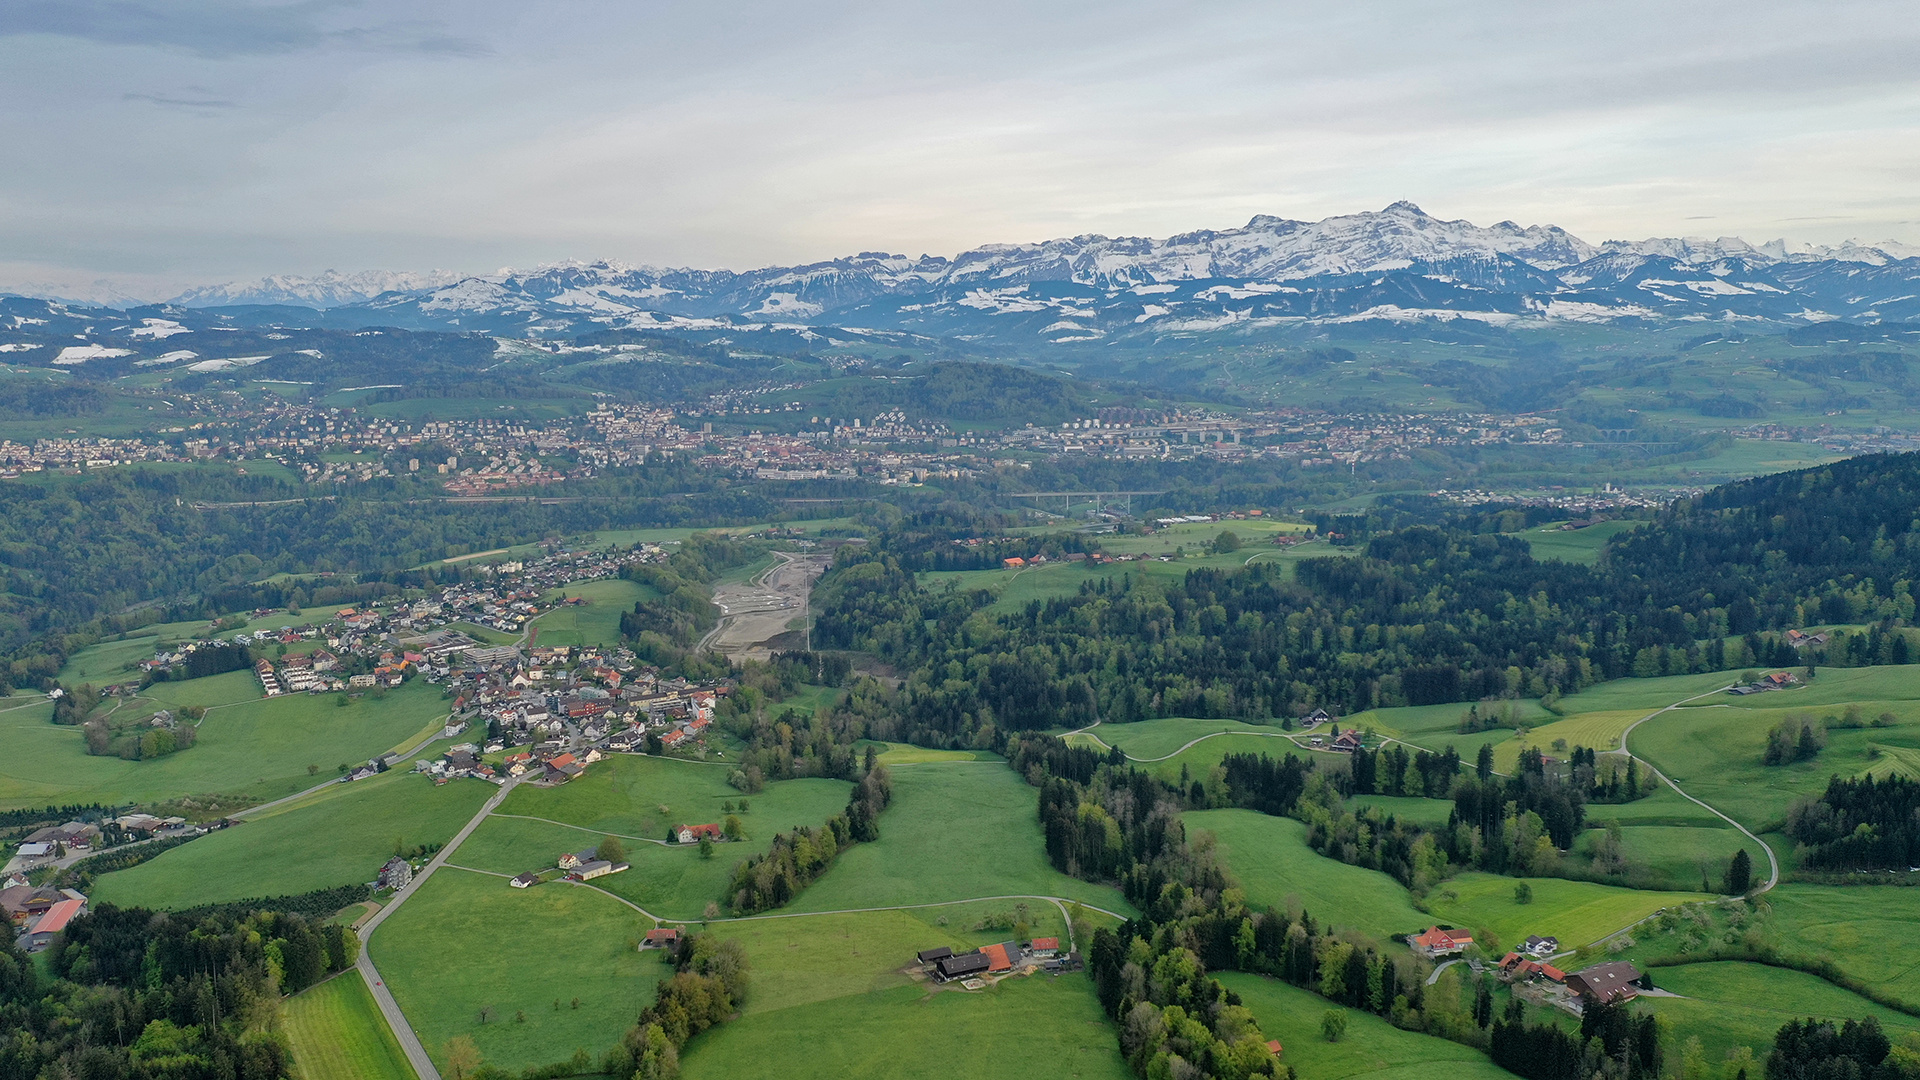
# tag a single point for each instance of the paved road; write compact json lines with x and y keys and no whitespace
{"x":1773,"y":861}
{"x":325,"y":784}
{"x":410,"y":1042}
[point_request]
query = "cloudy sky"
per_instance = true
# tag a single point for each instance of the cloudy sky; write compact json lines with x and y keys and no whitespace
{"x":150,"y":145}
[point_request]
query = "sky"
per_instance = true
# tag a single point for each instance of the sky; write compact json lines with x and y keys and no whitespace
{"x":152,"y":146}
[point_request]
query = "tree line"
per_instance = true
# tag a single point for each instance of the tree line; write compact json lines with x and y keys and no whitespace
{"x":138,"y":994}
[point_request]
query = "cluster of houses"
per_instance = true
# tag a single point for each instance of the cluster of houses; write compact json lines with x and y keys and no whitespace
{"x":1530,"y":966}
{"x":37,"y":914}
{"x":575,"y":866}
{"x":304,"y":673}
{"x":975,"y":968}
{"x":386,"y":642}
{"x":1604,"y":984}
{"x":44,"y":845}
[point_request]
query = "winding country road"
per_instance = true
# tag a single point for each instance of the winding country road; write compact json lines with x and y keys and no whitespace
{"x":397,"y":1020}
{"x":1773,"y":861}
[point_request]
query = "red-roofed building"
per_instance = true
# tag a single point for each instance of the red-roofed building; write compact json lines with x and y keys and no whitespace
{"x":997,"y":959}
{"x":54,"y":921}
{"x":1274,"y":1047}
{"x":689,"y":834}
{"x":664,"y":938}
{"x":1014,"y":563}
{"x":1045,"y":946}
{"x":1438,"y":942}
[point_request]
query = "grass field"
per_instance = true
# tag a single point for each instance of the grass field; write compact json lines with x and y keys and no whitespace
{"x":1715,"y":752}
{"x":1577,"y":546}
{"x":1050,"y":1026}
{"x":906,"y":754}
{"x":669,"y":882}
{"x":1014,"y":589}
{"x":1270,"y":857}
{"x":820,"y":957}
{"x":336,"y":1032}
{"x":954,"y":831}
{"x":337,"y":837}
{"x":1893,"y":761}
{"x":1432,"y":813}
{"x":1372,"y":1047}
{"x":1645,"y":695}
{"x":1734,"y":1004}
{"x":1853,"y":928}
{"x":467,"y":942}
{"x":260,"y":748}
{"x":1413,"y":721}
{"x":622,"y":796}
{"x":598,"y":621}
{"x":1672,"y":855}
{"x":1594,"y":730}
{"x":624,"y":793}
{"x":1576,"y":912}
{"x":1149,"y":739}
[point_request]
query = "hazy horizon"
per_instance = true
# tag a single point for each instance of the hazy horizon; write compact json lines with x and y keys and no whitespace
{"x":228,"y":140}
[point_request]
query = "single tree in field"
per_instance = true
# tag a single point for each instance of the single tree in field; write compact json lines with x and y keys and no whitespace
{"x":1739,"y":874}
{"x":732,"y":828}
{"x":1333,"y":1025}
{"x":1226,"y":543}
{"x":1523,"y":893}
{"x":611,"y":849}
{"x":706,"y":847}
{"x":462,"y":1057}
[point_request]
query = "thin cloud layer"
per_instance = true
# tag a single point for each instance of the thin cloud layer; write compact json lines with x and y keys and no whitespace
{"x":228,"y":139}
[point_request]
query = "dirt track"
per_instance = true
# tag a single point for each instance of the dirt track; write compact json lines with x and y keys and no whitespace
{"x":753,"y":613}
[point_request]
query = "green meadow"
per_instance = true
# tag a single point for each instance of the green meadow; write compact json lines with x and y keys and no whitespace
{"x":1271,"y":859}
{"x":338,"y":836}
{"x":1371,"y":1048}
{"x":1574,"y":545}
{"x":1050,"y":1024}
{"x":1714,"y":751}
{"x":955,"y":831}
{"x":1577,"y":912}
{"x":1731,"y":1004}
{"x":814,"y":958}
{"x":1152,"y":740}
{"x":625,"y":793}
{"x":259,"y":747}
{"x":595,"y":623}
{"x":466,"y":942}
{"x":336,"y":1032}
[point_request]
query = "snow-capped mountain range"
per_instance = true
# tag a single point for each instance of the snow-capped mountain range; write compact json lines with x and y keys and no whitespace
{"x":326,"y":290}
{"x":1397,"y":264}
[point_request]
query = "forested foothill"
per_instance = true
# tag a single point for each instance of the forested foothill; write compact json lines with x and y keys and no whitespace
{"x":1423,"y":615}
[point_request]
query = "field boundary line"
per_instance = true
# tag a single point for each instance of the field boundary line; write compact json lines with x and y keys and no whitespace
{"x":1289,"y":736}
{"x":583,"y":828}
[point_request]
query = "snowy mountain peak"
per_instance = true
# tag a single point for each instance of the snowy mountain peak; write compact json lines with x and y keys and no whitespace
{"x":325,"y":290}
